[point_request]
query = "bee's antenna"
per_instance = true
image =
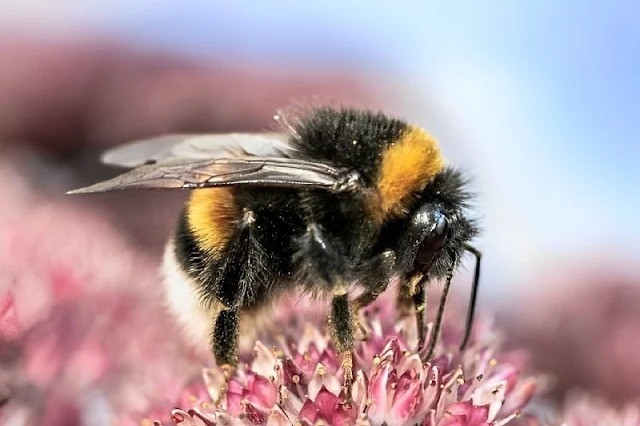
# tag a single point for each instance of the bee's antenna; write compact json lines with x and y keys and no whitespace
{"x":440,"y":315}
{"x":474,"y":294}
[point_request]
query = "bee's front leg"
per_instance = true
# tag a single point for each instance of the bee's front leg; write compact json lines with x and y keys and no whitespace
{"x":341,"y":326}
{"x":375,"y":277}
{"x":365,"y":299}
{"x":225,"y":346}
{"x":412,"y":300}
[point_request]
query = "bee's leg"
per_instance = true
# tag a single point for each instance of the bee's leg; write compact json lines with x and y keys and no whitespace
{"x":341,"y":326}
{"x":419,"y":299}
{"x":225,"y":346}
{"x":365,"y":299}
{"x":412,"y":300}
{"x":437,"y":327}
{"x":472,"y":299}
{"x":376,"y":280}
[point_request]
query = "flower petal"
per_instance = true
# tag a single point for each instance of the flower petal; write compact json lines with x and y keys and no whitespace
{"x":291,"y":373}
{"x":321,"y":377}
{"x":521,"y":395}
{"x":407,"y":401}
{"x":277,"y":417}
{"x":342,"y":416}
{"x":432,"y":388}
{"x":504,"y":373}
{"x":326,"y":401}
{"x":359,"y":392}
{"x":411,"y":362}
{"x":496,"y":402}
{"x":289,"y":402}
{"x":264,"y":361}
{"x":310,"y":411}
{"x":329,"y":359}
{"x":378,"y":394}
{"x":449,"y":391}
{"x":254,"y":415}
{"x":465,"y":413}
{"x":202,"y":419}
{"x":262,"y":392}
{"x":234,"y":403}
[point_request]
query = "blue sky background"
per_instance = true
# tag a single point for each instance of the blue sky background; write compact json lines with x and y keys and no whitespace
{"x":544,"y":96}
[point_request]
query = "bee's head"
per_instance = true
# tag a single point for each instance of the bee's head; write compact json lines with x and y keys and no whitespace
{"x":440,"y":230}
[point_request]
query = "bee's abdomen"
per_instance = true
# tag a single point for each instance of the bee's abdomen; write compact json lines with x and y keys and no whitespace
{"x":237,"y":259}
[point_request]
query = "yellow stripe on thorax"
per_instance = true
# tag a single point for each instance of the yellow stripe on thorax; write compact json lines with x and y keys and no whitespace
{"x":212,"y":216}
{"x":407,"y":166}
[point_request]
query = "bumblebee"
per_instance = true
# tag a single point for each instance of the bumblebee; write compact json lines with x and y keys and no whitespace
{"x":336,"y":199}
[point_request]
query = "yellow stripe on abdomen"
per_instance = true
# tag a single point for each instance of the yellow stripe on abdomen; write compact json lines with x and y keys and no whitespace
{"x":212,"y":215}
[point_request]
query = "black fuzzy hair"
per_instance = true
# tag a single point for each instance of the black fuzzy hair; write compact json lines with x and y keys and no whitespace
{"x":328,"y":134}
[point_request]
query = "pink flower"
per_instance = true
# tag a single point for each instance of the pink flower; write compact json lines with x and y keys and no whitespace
{"x":296,"y":378}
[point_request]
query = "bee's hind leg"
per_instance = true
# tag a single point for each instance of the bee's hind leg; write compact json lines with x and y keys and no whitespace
{"x":225,"y":346}
{"x":341,"y":327}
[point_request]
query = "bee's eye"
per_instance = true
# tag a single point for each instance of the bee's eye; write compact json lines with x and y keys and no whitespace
{"x":433,"y":241}
{"x":442,"y":224}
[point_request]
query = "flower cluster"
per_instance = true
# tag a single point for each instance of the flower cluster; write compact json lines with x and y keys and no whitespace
{"x":296,"y":378}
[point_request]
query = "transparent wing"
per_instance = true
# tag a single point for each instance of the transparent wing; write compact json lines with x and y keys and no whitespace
{"x":259,"y":171}
{"x":168,"y":148}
